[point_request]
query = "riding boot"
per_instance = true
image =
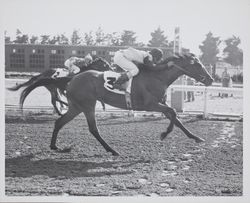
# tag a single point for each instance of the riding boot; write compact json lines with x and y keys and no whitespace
{"x":120,"y":81}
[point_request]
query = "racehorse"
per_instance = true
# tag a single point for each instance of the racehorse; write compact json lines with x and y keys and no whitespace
{"x":54,"y":91}
{"x":55,"y":97}
{"x":147,"y":91}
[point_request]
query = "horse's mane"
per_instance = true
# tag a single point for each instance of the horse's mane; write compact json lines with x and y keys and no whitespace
{"x":163,"y":64}
{"x":178,"y":56}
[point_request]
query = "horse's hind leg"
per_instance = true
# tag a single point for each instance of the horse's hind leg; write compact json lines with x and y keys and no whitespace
{"x":60,"y":122}
{"x":90,"y":116}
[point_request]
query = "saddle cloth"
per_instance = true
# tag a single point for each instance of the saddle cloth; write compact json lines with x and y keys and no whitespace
{"x":110,"y":77}
{"x":60,"y":72}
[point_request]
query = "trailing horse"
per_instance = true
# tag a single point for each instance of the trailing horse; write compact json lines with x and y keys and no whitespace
{"x":147,"y":91}
{"x":55,"y":92}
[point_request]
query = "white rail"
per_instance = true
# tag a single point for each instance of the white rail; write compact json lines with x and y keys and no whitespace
{"x":206,"y":90}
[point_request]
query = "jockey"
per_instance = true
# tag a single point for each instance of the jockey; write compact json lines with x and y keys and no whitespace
{"x":72,"y":64}
{"x":128,"y":58}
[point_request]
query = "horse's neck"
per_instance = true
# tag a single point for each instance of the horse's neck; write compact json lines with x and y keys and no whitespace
{"x":168,"y":76}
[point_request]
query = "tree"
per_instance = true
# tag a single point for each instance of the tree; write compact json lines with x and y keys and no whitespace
{"x":6,"y":38}
{"x":128,"y":38}
{"x":209,"y":49}
{"x":21,"y":38}
{"x":158,"y":39}
{"x":88,"y":39}
{"x":140,"y":44}
{"x":75,"y":38}
{"x":54,"y":40}
{"x":113,"y":39}
{"x":233,"y":54}
{"x":63,"y":40}
{"x":45,"y":39}
{"x":100,"y":37}
{"x":33,"y":39}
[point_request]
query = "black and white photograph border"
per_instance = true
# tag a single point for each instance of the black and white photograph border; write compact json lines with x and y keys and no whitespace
{"x":152,"y":166}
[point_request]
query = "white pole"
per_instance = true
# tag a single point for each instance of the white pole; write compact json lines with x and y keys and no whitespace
{"x":205,"y":103}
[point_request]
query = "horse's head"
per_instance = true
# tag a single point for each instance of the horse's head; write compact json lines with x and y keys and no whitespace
{"x":191,"y":66}
{"x":99,"y":64}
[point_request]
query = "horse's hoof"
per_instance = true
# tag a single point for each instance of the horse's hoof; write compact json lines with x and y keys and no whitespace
{"x":199,"y":140}
{"x":54,"y":147}
{"x":163,"y":135}
{"x":114,"y":153}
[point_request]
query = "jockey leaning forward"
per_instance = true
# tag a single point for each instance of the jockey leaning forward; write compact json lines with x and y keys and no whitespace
{"x":128,"y":58}
{"x":73,"y":64}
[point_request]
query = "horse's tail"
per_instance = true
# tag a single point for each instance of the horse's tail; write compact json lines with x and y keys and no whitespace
{"x":60,"y":83}
{"x":25,"y":84}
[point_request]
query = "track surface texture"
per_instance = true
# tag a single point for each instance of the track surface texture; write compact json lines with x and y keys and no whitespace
{"x":147,"y":166}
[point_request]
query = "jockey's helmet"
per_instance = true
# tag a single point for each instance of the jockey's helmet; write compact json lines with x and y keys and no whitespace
{"x":157,"y":55}
{"x":88,"y":58}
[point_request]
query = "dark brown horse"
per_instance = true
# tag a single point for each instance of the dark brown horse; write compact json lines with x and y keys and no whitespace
{"x":97,"y":64}
{"x":55,"y":97}
{"x":148,"y":89}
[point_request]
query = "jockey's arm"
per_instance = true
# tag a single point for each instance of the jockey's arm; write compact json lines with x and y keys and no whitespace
{"x":149,"y":65}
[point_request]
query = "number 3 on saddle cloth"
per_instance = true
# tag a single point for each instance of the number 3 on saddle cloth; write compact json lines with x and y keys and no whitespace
{"x":109,"y":79}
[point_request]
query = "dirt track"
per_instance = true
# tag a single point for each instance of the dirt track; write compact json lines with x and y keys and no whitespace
{"x":147,"y":166}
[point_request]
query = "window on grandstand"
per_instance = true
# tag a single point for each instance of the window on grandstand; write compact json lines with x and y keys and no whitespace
{"x":74,"y":52}
{"x":33,"y":51}
{"x":93,"y":52}
{"x":53,"y":51}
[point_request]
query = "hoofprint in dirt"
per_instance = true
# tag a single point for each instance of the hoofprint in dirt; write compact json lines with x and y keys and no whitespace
{"x":146,"y":166}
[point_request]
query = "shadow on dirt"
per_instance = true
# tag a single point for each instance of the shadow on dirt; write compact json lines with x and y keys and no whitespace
{"x":25,"y":120}
{"x":131,"y":121}
{"x":24,"y":166}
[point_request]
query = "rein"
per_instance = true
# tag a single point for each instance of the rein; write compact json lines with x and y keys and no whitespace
{"x":202,"y":78}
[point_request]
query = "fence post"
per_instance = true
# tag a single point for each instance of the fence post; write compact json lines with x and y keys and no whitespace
{"x":205,"y":104}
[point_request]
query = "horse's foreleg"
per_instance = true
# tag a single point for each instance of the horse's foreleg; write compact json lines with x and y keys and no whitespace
{"x":60,"y":122}
{"x":90,"y":116}
{"x":58,"y":95}
{"x":171,"y":115}
{"x":53,"y":101}
{"x":167,"y":111}
{"x":179,"y":124}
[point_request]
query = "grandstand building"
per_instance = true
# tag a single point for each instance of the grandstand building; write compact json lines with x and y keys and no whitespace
{"x":37,"y":58}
